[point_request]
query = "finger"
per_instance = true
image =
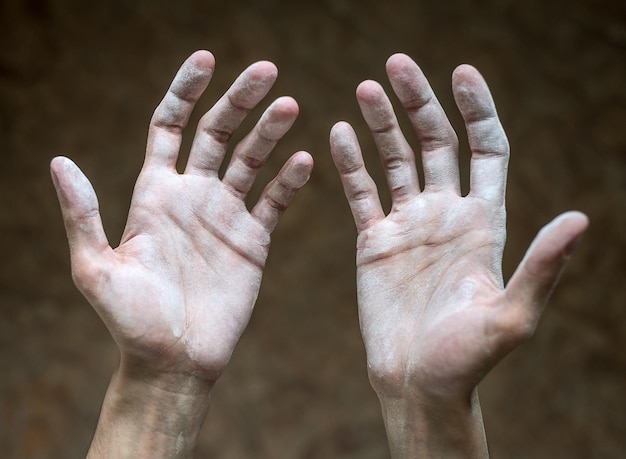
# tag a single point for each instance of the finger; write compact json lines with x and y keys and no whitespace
{"x":488,"y":142}
{"x":217,"y":126}
{"x":279,"y":193}
{"x":535,"y":277}
{"x":172,"y":114}
{"x":438,"y":141}
{"x":80,"y":209}
{"x":252,"y":152}
{"x":358,"y":186}
{"x":396,"y":154}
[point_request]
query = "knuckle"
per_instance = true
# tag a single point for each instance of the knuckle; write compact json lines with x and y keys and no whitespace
{"x":386,"y":378}
{"x":221,"y":136}
{"x":395,"y":162}
{"x":515,"y":326}
{"x":251,"y":162}
{"x":276,"y":203}
{"x":87,"y":273}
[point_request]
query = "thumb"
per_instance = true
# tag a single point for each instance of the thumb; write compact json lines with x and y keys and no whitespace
{"x":80,"y":209}
{"x":537,"y":274}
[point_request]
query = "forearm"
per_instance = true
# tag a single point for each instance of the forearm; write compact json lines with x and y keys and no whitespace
{"x":149,"y":417}
{"x":418,"y":428}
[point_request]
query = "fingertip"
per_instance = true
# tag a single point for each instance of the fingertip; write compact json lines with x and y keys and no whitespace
{"x":463,"y":82}
{"x":65,"y":172}
{"x":464,"y":71}
{"x":279,"y":194}
{"x":553,"y":245}
{"x":343,"y":140}
{"x":301,"y":167}
{"x":398,"y":59}
{"x":572,"y":226}
{"x":56,"y":169}
{"x":340,"y":129}
{"x":304,"y":157}
{"x":580,"y":223}
{"x":570,"y":223}
{"x":466,"y":82}
{"x":532,"y":283}
{"x":194,"y":75}
{"x":286,"y":105}
{"x":57,"y":160}
{"x":79,"y":205}
{"x":267,"y":65}
{"x":73,"y":187}
{"x":401,"y":69}
{"x":471,"y":94}
{"x":275,"y":122}
{"x":56,"y":164}
{"x":369,"y":91}
{"x":188,"y":84}
{"x":252,"y":85}
{"x":578,"y":219}
{"x":202,"y":59}
{"x":264,"y":70}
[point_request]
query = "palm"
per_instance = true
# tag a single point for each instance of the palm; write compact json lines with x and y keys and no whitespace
{"x":179,"y":290}
{"x":202,"y":263}
{"x":437,"y":261}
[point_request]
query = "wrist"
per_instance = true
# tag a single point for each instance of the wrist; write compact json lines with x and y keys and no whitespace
{"x":150,"y":415}
{"x":421,"y":426}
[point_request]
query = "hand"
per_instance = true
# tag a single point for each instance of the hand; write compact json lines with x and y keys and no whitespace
{"x":178,"y":291}
{"x":435,"y":317}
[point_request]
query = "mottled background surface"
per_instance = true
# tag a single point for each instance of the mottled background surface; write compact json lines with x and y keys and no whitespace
{"x":81,"y":79}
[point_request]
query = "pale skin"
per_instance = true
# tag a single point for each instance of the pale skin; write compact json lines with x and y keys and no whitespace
{"x":178,"y":291}
{"x":435,"y":314}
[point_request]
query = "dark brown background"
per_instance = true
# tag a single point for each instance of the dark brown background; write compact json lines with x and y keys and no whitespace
{"x":82,"y":80}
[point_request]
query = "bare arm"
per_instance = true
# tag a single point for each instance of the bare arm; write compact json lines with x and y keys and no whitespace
{"x":435,"y":314}
{"x":178,"y":291}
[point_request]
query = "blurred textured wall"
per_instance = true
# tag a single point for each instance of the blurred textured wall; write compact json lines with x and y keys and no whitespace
{"x":82,"y":78}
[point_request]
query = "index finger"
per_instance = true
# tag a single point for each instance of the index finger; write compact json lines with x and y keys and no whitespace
{"x":359,"y":187}
{"x":487,"y":140}
{"x":172,"y":114}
